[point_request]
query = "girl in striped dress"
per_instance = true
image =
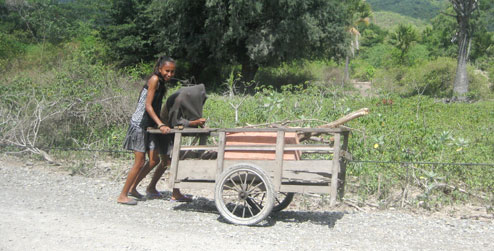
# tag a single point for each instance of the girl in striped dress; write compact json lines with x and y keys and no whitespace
{"x":146,"y":115}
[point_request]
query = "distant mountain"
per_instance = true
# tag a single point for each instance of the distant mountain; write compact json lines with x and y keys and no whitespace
{"x":419,"y":9}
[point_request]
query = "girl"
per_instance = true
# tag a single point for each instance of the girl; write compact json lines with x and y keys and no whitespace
{"x":146,"y":115}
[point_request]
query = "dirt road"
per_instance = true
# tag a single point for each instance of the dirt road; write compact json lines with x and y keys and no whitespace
{"x":42,"y":208}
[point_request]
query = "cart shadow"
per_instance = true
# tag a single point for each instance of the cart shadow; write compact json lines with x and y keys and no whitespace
{"x":200,"y":204}
{"x":205,"y":205}
{"x":320,"y":218}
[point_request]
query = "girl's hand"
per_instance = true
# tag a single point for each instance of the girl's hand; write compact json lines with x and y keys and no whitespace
{"x":198,"y":122}
{"x":164,"y":129}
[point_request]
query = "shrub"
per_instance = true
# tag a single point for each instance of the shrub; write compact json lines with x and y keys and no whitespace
{"x":434,"y":78}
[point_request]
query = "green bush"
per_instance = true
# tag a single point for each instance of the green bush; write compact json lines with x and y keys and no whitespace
{"x":10,"y":46}
{"x":296,"y":72}
{"x":380,"y":56}
{"x":434,"y":78}
{"x":362,"y":70}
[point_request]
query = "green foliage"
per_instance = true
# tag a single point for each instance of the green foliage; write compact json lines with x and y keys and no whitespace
{"x":295,"y":73}
{"x":432,"y":78}
{"x":10,"y":46}
{"x":379,"y":56}
{"x":220,"y":33}
{"x":403,"y":38}
{"x":362,"y":70}
{"x":372,"y":35}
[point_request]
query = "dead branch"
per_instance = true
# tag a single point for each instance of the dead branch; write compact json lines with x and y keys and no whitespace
{"x":336,"y":123}
{"x":283,"y":123}
{"x":22,"y":127}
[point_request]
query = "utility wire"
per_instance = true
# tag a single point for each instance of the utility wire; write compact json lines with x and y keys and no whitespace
{"x":353,"y":161}
{"x":421,"y":163}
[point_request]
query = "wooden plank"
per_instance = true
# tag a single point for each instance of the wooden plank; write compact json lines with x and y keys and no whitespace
{"x":200,"y":185}
{"x":288,"y":147}
{"x":291,"y":129}
{"x":221,"y":153}
{"x":336,"y":169}
{"x":299,"y":170}
{"x":280,"y":149}
{"x":175,"y":159}
{"x":199,"y":147}
{"x":305,"y":188}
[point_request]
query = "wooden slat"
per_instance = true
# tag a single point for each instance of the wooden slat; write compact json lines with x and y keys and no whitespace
{"x":210,"y":130}
{"x":201,"y":185}
{"x":336,"y":169}
{"x":221,"y":153}
{"x":305,"y":188}
{"x":293,"y":170}
{"x":322,"y":188}
{"x":200,"y":147}
{"x":280,"y":146}
{"x":175,"y":159}
{"x":288,"y":147}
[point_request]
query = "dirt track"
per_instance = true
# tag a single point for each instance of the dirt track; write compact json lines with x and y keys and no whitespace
{"x":45,"y":209}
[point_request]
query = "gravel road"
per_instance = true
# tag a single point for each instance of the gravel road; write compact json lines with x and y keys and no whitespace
{"x":45,"y":209}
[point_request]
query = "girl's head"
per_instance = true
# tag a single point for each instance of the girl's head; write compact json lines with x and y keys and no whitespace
{"x":165,"y":68}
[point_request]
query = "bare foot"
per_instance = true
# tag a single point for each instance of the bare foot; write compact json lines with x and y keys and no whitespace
{"x":126,"y":201}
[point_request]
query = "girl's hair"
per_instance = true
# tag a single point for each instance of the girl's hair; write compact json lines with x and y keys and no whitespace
{"x":162,"y":61}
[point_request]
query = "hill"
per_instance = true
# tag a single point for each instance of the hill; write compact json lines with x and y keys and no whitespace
{"x":419,"y":9}
{"x":389,"y":20}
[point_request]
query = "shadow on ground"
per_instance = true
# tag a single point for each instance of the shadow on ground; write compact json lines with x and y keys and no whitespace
{"x":205,"y":205}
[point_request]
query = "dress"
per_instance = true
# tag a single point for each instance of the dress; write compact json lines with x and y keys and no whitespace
{"x":137,"y":139}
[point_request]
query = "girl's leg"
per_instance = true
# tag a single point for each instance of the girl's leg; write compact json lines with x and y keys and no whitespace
{"x":153,"y":160}
{"x":131,"y":177}
{"x":164,"y":163}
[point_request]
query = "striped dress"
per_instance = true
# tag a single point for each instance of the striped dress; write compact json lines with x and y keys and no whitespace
{"x":137,"y":138}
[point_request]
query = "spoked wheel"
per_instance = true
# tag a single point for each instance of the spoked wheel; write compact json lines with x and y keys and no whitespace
{"x":282,"y":201}
{"x":244,"y":195}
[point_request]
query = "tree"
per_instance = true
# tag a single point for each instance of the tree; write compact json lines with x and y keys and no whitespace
{"x":464,"y":12}
{"x":359,"y":12}
{"x":403,"y":38}
{"x":248,"y":33}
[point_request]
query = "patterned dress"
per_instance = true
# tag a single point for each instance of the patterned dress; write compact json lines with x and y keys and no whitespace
{"x":137,"y":138}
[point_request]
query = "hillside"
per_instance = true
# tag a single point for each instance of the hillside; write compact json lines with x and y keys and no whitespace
{"x":389,"y":20}
{"x":420,"y":9}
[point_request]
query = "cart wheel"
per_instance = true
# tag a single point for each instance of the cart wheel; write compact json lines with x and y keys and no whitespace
{"x":282,"y":201}
{"x":244,"y":195}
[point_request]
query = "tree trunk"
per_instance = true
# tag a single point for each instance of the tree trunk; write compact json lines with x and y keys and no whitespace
{"x":460,"y":87}
{"x":464,"y":10}
{"x":249,"y":70}
{"x":347,"y":71}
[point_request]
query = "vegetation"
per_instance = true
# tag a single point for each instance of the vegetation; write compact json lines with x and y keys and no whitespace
{"x":72,"y":83}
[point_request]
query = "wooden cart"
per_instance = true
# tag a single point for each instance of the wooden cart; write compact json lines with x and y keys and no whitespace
{"x":247,"y":190}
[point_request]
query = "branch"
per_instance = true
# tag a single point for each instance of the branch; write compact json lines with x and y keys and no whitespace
{"x":336,"y":123}
{"x":447,"y":14}
{"x":284,"y":123}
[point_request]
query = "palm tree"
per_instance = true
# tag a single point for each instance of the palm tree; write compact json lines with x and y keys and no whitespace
{"x":402,"y":38}
{"x":360,"y":12}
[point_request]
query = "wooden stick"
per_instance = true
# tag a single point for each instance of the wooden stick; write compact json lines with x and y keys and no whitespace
{"x":336,"y":123}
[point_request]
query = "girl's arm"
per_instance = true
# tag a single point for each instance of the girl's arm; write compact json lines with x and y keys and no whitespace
{"x":152,"y":87}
